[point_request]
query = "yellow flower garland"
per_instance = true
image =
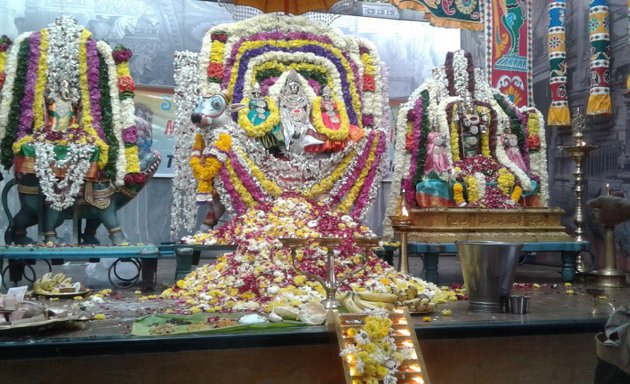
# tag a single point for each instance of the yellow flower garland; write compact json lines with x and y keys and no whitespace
{"x":473,"y":188}
{"x":216,"y":51}
{"x":458,"y":193}
{"x":297,"y":66}
{"x":207,"y":169}
{"x":242,"y":192}
{"x":485,"y":136}
{"x":368,"y":64}
{"x":318,"y":121}
{"x":133,"y":162}
{"x":122,"y":69}
{"x":294,"y":44}
{"x":329,"y":181}
{"x":454,"y":134}
{"x":533,"y":125}
{"x":268,"y":186}
{"x":351,"y":197}
{"x":40,"y":84}
{"x":87,"y":120}
{"x":505,"y":181}
{"x":263,"y":128}
{"x":516,"y":194}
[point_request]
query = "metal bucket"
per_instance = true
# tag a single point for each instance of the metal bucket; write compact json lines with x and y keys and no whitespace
{"x":489,"y":268}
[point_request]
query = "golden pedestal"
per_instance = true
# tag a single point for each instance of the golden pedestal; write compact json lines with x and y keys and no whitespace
{"x":447,"y":225}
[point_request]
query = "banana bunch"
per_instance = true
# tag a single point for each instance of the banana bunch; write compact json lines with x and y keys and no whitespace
{"x":414,"y":301}
{"x":49,"y":284}
{"x":367,"y":301}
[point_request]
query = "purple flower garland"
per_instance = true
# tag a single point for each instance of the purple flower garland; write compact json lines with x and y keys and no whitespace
{"x":26,"y":104}
{"x":237,"y":203}
{"x":93,"y":77}
{"x":364,"y":195}
{"x":246,"y":178}
{"x":354,"y":175}
{"x":416,"y":126}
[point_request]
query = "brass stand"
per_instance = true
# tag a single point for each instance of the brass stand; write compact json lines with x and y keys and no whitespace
{"x":402,"y":225}
{"x":579,"y":152}
{"x":609,"y":276}
{"x":331,"y":283}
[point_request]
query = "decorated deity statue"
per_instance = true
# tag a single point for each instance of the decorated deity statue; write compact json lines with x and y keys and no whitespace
{"x":484,"y":160}
{"x":67,"y":125}
{"x":209,"y":151}
{"x":295,"y":112}
{"x":332,"y":125}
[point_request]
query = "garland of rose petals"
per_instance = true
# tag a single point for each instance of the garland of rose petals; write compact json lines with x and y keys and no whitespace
{"x":599,"y":102}
{"x":558,"y":114}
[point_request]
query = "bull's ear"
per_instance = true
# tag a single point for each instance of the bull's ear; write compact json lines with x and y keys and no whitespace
{"x":237,"y":107}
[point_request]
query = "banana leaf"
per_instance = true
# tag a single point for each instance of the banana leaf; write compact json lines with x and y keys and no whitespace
{"x":166,"y":325}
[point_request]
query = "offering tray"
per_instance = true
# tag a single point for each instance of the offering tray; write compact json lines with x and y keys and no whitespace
{"x":62,"y":295}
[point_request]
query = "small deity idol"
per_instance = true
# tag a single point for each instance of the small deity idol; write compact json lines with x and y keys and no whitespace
{"x":61,"y":108}
{"x":259,"y":113}
{"x":437,"y":153}
{"x":513,"y":152}
{"x":470,"y":134}
{"x":332,"y":122}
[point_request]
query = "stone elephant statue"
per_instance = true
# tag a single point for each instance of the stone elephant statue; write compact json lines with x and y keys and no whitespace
{"x":99,"y":203}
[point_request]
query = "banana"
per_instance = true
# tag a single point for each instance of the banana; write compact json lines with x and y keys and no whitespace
{"x":342,"y":296}
{"x":413,"y":290}
{"x":378,"y":297}
{"x":365,"y":304}
{"x":46,"y":277}
{"x":287,"y":312}
{"x":350,"y":305}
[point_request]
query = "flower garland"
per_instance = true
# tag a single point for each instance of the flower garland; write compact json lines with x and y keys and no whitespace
{"x":373,"y":354}
{"x":26,"y":117}
{"x":5,"y":44}
{"x":556,"y":44}
{"x":350,"y":94}
{"x":472,"y":187}
{"x":40,"y":85}
{"x":87,"y":120}
{"x":13,"y":92}
{"x":116,"y":166}
{"x":61,"y":192}
{"x":327,"y":183}
{"x":599,"y":102}
{"x":269,"y":186}
{"x":505,"y":181}
{"x":183,"y":212}
{"x":318,"y":122}
{"x":351,"y":197}
{"x":263,"y":128}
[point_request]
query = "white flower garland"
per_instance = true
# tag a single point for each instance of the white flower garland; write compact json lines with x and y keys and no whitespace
{"x":62,"y":60}
{"x":184,"y":210}
{"x":7,"y":90}
{"x":538,"y":160}
{"x":61,"y":193}
{"x":117,"y":110}
{"x":481,"y":185}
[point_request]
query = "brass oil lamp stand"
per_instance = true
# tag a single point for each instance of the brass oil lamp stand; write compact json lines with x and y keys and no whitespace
{"x":609,"y":276}
{"x":331,"y":283}
{"x":401,"y":222}
{"x":579,"y":152}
